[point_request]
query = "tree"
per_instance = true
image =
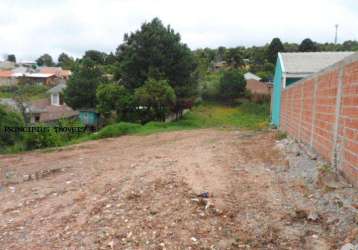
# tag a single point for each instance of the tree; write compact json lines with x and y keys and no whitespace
{"x":11,"y":58}
{"x":157,"y":52}
{"x":113,"y":97}
{"x":65,"y":61}
{"x":45,"y":60}
{"x":273,"y":49}
{"x":157,"y":96}
{"x":234,"y":56}
{"x":81,"y":87}
{"x":307,"y":45}
{"x":96,"y":56}
{"x":232,"y":85}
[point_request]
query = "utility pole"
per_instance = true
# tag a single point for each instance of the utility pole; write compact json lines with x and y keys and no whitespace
{"x":335,"y":37}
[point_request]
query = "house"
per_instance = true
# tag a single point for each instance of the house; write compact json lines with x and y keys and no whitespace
{"x":52,"y":108}
{"x":37,"y":78}
{"x":57,"y":71}
{"x":291,"y":67}
{"x":6,"y":77}
{"x":256,"y":86}
{"x":46,"y":110}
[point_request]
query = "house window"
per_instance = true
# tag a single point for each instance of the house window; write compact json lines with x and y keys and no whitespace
{"x":37,"y":118}
{"x":55,"y":99}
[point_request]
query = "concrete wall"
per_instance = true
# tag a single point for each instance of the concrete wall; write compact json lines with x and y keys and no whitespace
{"x":322,"y":111}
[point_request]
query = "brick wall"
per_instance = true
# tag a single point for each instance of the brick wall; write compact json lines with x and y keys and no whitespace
{"x":322,"y":111}
{"x":257,"y":87}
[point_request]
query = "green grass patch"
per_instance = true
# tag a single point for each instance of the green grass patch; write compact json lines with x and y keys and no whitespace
{"x":248,"y":115}
{"x":207,"y":115}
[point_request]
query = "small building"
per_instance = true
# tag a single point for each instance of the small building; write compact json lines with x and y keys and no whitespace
{"x":89,"y":117}
{"x":6,"y":78}
{"x":256,"y":86}
{"x":37,"y":78}
{"x":57,"y":71}
{"x":292,"y":67}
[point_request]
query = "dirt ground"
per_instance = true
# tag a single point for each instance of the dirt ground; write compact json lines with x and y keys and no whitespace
{"x":141,"y":192}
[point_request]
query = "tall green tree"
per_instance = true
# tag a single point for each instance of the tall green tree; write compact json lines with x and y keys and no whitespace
{"x":307,"y":45}
{"x":45,"y":60}
{"x":156,"y":96}
{"x":11,"y":58}
{"x":96,"y":56}
{"x":273,"y":49}
{"x":81,"y":87}
{"x":156,"y":51}
{"x":65,"y":61}
{"x":235,"y":57}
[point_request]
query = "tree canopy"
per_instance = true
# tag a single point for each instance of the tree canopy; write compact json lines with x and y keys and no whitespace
{"x":11,"y":58}
{"x":45,"y":60}
{"x":81,"y":87}
{"x":156,"y":51}
{"x":307,"y":45}
{"x":272,"y":50}
{"x":156,"y":96}
{"x":232,"y":85}
{"x":65,"y":61}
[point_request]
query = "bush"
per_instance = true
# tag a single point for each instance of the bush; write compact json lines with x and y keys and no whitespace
{"x":47,"y":137}
{"x":70,"y":123}
{"x":232,"y":85}
{"x":9,"y":119}
{"x":114,"y":130}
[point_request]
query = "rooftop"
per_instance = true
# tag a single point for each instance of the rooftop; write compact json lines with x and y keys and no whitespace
{"x":301,"y":64}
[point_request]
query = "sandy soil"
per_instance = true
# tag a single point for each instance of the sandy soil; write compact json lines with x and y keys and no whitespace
{"x":141,"y":192}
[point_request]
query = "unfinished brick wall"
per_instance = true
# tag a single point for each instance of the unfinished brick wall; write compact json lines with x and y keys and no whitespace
{"x":322,"y":111}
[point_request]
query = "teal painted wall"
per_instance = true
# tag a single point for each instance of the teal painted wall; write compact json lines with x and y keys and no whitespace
{"x":89,"y":118}
{"x":289,"y":81}
{"x":277,"y":88}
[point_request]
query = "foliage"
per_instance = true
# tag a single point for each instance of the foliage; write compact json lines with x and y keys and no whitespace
{"x":68,"y":124}
{"x":234,"y":57}
{"x":156,"y":51}
{"x":209,"y":86}
{"x":9,"y":119}
{"x":96,"y":56}
{"x":81,"y":87}
{"x":45,"y":60}
{"x":113,"y":97}
{"x":232,"y":85}
{"x":307,"y":45}
{"x":65,"y":61}
{"x":46,"y":137}
{"x":281,"y":135}
{"x":11,"y":58}
{"x":156,"y":97}
{"x":272,"y":50}
{"x":246,"y":116}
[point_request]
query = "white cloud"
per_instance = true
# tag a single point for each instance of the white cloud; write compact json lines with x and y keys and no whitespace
{"x":33,"y":27}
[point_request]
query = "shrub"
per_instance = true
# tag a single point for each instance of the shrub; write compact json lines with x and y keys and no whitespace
{"x":114,"y":130}
{"x":70,"y":123}
{"x":47,"y":137}
{"x":9,"y":119}
{"x":232,"y":85}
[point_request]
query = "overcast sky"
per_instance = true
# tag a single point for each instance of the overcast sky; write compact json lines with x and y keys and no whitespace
{"x":30,"y":28}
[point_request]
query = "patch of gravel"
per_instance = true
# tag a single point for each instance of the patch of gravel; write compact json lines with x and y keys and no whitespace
{"x":324,"y":192}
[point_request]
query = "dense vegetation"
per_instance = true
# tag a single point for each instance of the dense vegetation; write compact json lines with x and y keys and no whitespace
{"x":151,"y":75}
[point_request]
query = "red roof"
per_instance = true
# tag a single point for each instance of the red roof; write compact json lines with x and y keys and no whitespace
{"x":5,"y":73}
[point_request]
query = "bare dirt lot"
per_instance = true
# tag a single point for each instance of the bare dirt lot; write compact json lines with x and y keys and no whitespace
{"x":141,"y":192}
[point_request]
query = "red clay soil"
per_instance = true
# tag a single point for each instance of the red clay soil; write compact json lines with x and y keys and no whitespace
{"x":140,"y":192}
